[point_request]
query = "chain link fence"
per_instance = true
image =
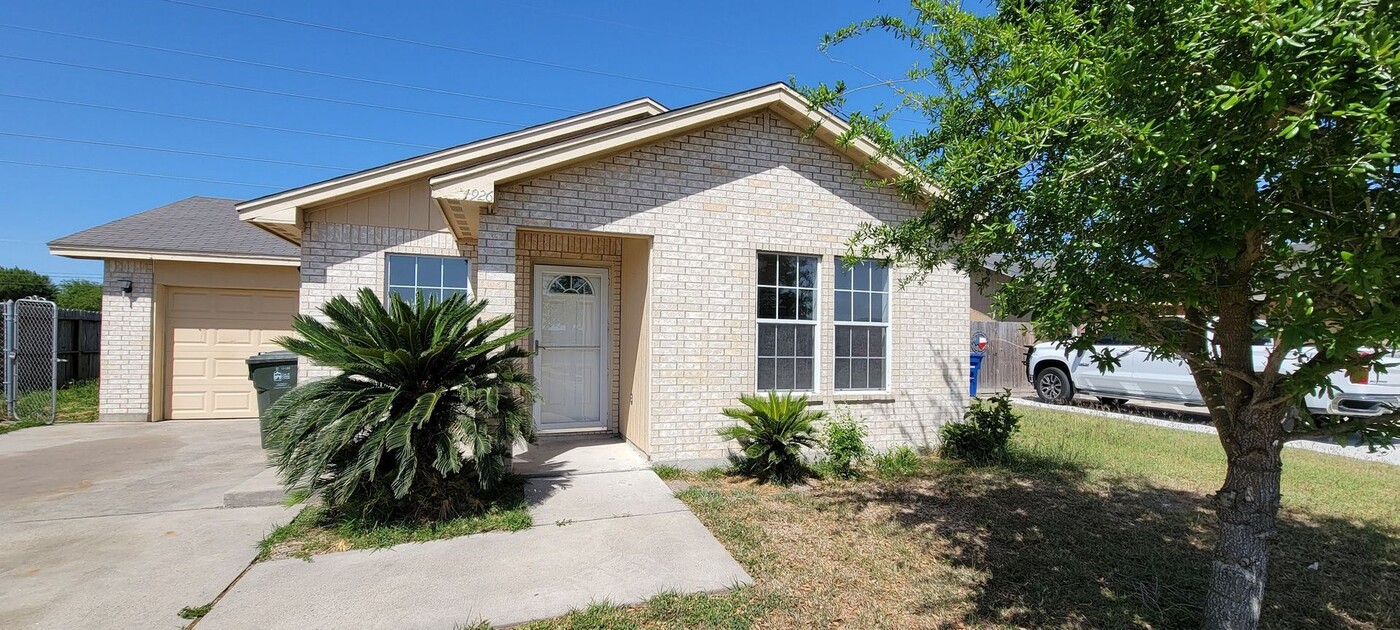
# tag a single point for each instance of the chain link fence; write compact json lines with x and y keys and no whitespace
{"x":30,"y":360}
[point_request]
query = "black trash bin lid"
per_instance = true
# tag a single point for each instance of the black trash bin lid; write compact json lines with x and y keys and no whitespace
{"x":276,"y":357}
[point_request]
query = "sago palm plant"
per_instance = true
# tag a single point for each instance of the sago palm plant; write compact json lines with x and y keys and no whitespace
{"x":419,"y":422}
{"x":771,"y":433}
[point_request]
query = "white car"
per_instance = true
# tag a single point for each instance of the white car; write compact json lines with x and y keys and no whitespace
{"x":1059,"y":374}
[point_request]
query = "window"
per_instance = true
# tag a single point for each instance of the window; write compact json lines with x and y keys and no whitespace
{"x":787,"y":322}
{"x":571,"y":284}
{"x":862,"y":325}
{"x":435,"y":277}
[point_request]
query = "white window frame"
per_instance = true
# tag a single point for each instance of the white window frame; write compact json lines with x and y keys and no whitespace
{"x":815,"y":322}
{"x":887,"y":325}
{"x":389,"y":286}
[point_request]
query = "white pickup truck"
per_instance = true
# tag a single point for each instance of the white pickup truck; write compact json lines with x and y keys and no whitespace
{"x":1058,"y":375}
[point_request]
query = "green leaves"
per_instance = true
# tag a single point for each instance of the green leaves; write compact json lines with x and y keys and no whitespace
{"x":425,"y":407}
{"x":771,"y":433}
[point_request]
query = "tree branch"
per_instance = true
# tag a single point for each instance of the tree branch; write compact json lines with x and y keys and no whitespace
{"x":1342,"y":428}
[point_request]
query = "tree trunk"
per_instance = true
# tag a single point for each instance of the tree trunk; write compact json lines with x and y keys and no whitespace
{"x":1247,"y":508}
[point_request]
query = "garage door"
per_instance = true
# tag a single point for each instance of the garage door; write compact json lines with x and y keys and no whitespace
{"x":210,"y":332}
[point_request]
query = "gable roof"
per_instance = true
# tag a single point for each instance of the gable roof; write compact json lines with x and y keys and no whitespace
{"x":464,"y":179}
{"x":197,"y":228}
{"x":280,"y":212}
{"x":465,"y":194}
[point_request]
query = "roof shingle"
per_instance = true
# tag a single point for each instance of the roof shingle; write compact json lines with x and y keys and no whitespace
{"x":197,"y":225}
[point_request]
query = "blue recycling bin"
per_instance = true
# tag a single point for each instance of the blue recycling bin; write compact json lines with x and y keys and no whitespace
{"x":976,"y":367}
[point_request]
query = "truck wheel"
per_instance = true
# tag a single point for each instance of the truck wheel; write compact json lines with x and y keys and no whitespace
{"x":1052,"y":385}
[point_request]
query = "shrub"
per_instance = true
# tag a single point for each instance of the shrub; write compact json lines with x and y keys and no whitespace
{"x":771,"y":434}
{"x":845,"y":446}
{"x":900,"y":461}
{"x":421,"y":418}
{"x":982,"y":436}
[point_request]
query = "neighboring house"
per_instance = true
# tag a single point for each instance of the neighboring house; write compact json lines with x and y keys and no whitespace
{"x":668,"y":262}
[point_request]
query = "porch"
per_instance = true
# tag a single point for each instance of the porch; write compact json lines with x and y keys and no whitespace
{"x":586,"y":298}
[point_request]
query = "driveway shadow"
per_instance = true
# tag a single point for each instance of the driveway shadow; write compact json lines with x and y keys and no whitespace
{"x":1059,"y":549}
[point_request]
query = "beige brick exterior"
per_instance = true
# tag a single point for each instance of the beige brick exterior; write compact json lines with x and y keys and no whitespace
{"x":339,"y":259}
{"x":125,"y":364}
{"x":710,"y":201}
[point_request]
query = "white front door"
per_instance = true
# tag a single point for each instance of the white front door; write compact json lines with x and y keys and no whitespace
{"x":570,"y":336}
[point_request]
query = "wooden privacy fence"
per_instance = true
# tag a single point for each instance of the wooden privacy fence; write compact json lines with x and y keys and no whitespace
{"x":1005,"y":364}
{"x":79,"y":339}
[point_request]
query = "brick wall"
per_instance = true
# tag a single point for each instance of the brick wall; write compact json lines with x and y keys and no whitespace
{"x":125,"y":381}
{"x":583,"y":250}
{"x":339,"y":259}
{"x":712,"y":200}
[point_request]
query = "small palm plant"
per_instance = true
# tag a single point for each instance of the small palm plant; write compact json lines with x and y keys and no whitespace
{"x":420,"y":421}
{"x":771,"y":434}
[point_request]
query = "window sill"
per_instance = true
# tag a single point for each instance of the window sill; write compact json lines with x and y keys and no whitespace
{"x":854,"y":397}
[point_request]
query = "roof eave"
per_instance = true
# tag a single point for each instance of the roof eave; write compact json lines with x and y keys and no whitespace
{"x":115,"y":253}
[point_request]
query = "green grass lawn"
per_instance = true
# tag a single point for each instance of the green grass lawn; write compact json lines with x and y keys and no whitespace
{"x":1098,"y":524}
{"x":316,"y":530}
{"x":76,"y":403}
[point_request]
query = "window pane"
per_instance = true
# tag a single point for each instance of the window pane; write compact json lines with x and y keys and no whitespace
{"x":875,"y":375}
{"x":860,"y":307}
{"x":767,"y":378}
{"x":767,"y":339}
{"x":862,"y":276}
{"x":787,"y":303}
{"x":786,"y":374}
{"x":787,"y":271}
{"x":407,"y":293}
{"x":787,"y":341}
{"x":843,"y":341}
{"x":877,"y":307}
{"x":454,"y":273}
{"x":767,"y":269}
{"x":807,"y":273}
{"x":805,"y":345}
{"x":843,"y":275}
{"x":807,"y":305}
{"x":402,"y":270}
{"x":447,"y":293}
{"x":429,"y":271}
{"x":879,"y":278}
{"x":767,"y":303}
{"x":859,"y":342}
{"x":843,"y":306}
{"x":804,"y":374}
{"x":858,"y":373}
{"x":877,"y":342}
{"x":843,"y":374}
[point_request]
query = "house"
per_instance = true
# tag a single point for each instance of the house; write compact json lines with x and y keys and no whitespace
{"x":667,"y":261}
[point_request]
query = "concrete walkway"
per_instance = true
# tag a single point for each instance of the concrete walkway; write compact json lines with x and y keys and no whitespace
{"x":121,"y":525}
{"x":606,"y":529}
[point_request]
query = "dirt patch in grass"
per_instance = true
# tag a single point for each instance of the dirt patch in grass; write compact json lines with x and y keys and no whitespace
{"x":1092,"y":532}
{"x":317,"y":530}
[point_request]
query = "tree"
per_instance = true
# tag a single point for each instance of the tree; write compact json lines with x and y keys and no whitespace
{"x":16,"y":283}
{"x":1192,"y":173}
{"x":421,"y":418}
{"x":82,"y":295}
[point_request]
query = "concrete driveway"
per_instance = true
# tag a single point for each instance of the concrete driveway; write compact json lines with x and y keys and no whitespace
{"x":121,"y":525}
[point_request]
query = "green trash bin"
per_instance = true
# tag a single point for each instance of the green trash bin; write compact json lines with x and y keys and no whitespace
{"x":273,"y":374}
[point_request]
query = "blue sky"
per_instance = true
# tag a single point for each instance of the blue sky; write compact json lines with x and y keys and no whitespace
{"x":57,"y":108}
